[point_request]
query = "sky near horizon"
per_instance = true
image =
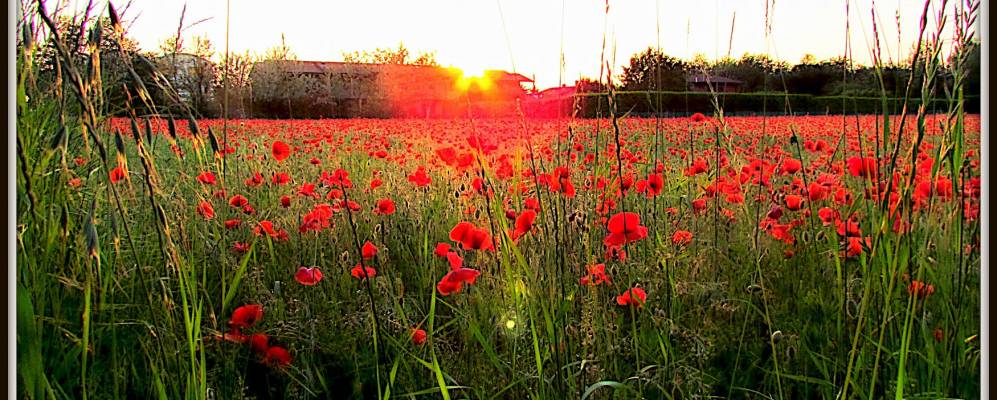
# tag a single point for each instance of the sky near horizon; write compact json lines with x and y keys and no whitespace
{"x":527,"y":36}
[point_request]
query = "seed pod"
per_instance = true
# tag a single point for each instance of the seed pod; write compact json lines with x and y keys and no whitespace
{"x":59,"y":140}
{"x":28,"y":38}
{"x":96,"y":34}
{"x":172,"y":128}
{"x":192,"y":125}
{"x":213,"y":141}
{"x":148,"y":131}
{"x":136,"y":134}
{"x":90,"y":233}
{"x":791,"y":352}
{"x":113,"y":14}
{"x":119,"y":143}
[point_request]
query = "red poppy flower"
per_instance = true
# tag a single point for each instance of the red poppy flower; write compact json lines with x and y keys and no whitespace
{"x":285,"y":201}
{"x":206,"y":178}
{"x":418,"y":336}
{"x":655,"y":183}
{"x":920,"y":289}
{"x":368,"y":251}
{"x":854,"y":247}
{"x":206,"y":210}
{"x":362,"y":272}
{"x":375,"y":183}
{"x":118,"y":173}
{"x":699,"y":166}
{"x":454,"y":280}
{"x":698,"y":117}
{"x":280,"y":151}
{"x":238,"y":201}
{"x":75,"y":182}
{"x":255,"y":180}
{"x":524,"y":223}
{"x":442,"y":249}
{"x":624,"y":228}
{"x":682,"y":238}
{"x":281,"y":178}
{"x":794,"y":202}
{"x":266,"y":227}
{"x":316,"y":219}
{"x":455,"y":261}
{"x":861,"y":166}
{"x":240,"y":247}
{"x":791,"y":166}
{"x":448,"y":155}
{"x":79,"y":161}
{"x":596,"y":275}
{"x":699,"y":205}
{"x":532,"y":203}
{"x":277,"y":356}
{"x":385,"y":207}
{"x":419,"y":177}
{"x":308,"y":276}
{"x":633,"y":297}
{"x":471,"y":237}
{"x":827,"y":215}
{"x":338,"y":179}
{"x":259,"y":342}
{"x":351,"y":205}
{"x":246,"y":316}
{"x":233,"y":223}
{"x":307,"y":190}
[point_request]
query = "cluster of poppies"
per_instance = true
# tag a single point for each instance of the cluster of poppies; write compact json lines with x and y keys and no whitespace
{"x":245,"y":317}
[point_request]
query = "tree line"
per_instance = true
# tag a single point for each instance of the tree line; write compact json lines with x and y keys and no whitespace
{"x":652,"y":70}
{"x":190,"y":74}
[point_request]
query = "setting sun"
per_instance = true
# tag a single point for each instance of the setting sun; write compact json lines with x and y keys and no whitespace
{"x":477,"y":79}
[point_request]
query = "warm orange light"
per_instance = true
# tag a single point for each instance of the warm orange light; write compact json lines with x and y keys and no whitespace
{"x":478,"y":79}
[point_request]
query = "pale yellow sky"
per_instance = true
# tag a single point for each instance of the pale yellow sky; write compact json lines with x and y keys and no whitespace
{"x":470,"y":35}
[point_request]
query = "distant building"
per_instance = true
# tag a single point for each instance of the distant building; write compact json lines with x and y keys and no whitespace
{"x":340,"y":89}
{"x":702,"y":83}
{"x":555,"y":102}
{"x":192,"y":77}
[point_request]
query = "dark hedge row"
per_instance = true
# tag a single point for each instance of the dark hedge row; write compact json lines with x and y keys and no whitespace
{"x":683,"y":103}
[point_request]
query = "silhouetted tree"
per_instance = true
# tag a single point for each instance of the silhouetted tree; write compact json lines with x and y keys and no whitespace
{"x":401,"y":55}
{"x":653,"y":70}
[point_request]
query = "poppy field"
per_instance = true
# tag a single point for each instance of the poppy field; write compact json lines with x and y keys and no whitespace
{"x":728,"y":257}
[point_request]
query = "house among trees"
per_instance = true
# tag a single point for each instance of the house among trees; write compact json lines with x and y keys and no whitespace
{"x":193,"y":77}
{"x":556,"y":102}
{"x":719,"y":84}
{"x":303,"y":89}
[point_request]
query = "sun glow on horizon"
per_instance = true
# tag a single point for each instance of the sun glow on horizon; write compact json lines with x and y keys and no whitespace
{"x":475,"y":76}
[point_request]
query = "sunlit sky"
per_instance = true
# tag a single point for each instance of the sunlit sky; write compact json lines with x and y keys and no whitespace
{"x":526,"y":35}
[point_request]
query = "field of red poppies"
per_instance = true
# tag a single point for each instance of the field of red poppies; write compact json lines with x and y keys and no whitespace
{"x":738,"y":257}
